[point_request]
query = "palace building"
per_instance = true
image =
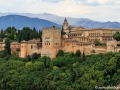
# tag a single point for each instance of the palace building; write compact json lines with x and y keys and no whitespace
{"x":75,"y":38}
{"x":102,"y":34}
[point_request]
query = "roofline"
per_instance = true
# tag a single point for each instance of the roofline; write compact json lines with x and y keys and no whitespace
{"x":50,"y":28}
{"x":91,"y":29}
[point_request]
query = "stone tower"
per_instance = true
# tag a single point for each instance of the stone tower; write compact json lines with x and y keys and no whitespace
{"x":51,"y":41}
{"x":23,"y":51}
{"x":65,"y":25}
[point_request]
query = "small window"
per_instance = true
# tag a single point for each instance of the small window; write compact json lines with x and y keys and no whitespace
{"x":31,"y":46}
{"x":47,"y":37}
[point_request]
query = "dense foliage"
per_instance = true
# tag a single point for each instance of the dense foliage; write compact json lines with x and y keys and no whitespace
{"x":98,"y":43}
{"x":67,"y":72}
{"x":116,"y":36}
{"x":18,"y":35}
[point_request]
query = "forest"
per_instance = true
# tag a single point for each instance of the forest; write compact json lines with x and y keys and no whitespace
{"x":68,"y":71}
{"x":25,"y":33}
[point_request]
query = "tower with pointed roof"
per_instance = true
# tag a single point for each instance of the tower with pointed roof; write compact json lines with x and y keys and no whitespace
{"x":65,"y":25}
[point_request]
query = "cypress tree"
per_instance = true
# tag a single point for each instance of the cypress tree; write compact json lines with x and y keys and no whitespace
{"x":7,"y":47}
{"x":62,"y":31}
{"x":40,"y":35}
{"x":83,"y":56}
{"x":60,"y":53}
{"x":78,"y":53}
{"x":2,"y":34}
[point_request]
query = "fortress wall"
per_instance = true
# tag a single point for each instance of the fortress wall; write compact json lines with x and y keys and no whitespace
{"x":38,"y":51}
{"x":31,"y":48}
{"x":100,"y":47}
{"x":100,"y":50}
{"x":97,"y":49}
{"x":73,"y":47}
{"x":87,"y":50}
{"x":14,"y":47}
{"x":117,"y":49}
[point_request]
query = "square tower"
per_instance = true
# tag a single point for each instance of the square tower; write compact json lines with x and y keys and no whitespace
{"x":51,"y":41}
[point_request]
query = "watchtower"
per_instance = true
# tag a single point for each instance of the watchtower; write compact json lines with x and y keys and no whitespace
{"x":51,"y":41}
{"x":23,"y":51}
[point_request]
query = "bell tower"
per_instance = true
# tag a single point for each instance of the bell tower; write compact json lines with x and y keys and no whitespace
{"x":65,"y":25}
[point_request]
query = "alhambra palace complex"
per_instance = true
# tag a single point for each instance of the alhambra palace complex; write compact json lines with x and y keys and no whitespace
{"x":76,"y":38}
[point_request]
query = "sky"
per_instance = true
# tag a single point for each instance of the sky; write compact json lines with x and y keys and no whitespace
{"x":99,"y":10}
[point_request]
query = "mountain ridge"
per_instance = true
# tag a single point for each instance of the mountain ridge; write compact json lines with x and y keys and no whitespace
{"x":22,"y":21}
{"x":83,"y":22}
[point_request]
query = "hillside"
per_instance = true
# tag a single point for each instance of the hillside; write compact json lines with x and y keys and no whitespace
{"x":21,"y":21}
{"x":67,"y":72}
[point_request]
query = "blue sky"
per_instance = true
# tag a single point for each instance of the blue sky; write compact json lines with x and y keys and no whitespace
{"x":100,"y":10}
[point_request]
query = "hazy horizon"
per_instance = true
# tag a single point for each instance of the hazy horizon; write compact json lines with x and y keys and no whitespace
{"x":99,"y":10}
{"x":17,"y":13}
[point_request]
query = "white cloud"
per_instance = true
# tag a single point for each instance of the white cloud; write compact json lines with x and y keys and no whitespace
{"x":101,"y":10}
{"x":95,"y":2}
{"x":52,"y":1}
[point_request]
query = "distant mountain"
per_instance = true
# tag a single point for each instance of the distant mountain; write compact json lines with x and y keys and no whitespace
{"x":84,"y":22}
{"x":46,"y":16}
{"x":21,"y":21}
{"x":96,"y":24}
